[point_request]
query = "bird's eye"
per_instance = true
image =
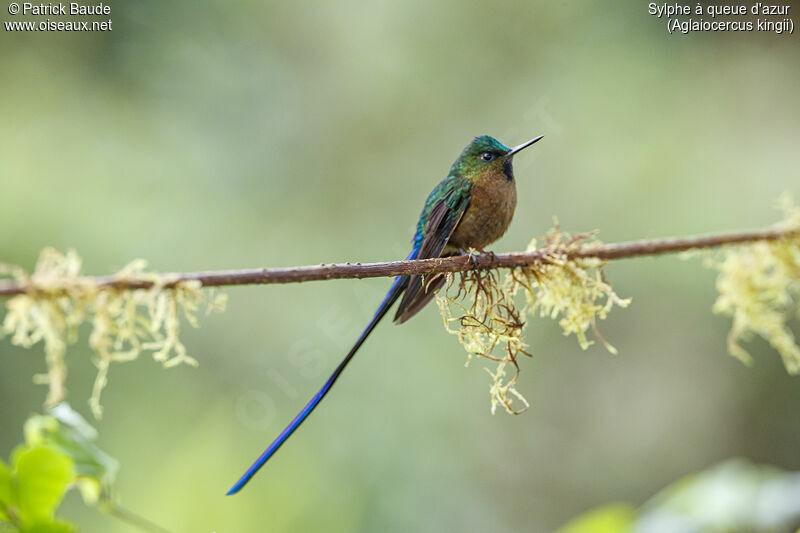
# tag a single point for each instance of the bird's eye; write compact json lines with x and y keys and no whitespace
{"x":486,"y":156}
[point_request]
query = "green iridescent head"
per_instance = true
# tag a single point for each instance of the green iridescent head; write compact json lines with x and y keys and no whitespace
{"x":487,"y":154}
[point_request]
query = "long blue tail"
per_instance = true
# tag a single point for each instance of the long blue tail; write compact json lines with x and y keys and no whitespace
{"x":397,"y":289}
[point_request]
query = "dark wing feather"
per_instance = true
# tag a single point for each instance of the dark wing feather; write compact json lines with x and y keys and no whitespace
{"x":442,"y":221}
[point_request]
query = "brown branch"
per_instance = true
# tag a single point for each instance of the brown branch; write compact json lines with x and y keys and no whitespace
{"x":262,"y":276}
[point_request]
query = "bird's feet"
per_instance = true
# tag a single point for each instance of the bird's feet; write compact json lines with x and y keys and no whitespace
{"x":475,"y":255}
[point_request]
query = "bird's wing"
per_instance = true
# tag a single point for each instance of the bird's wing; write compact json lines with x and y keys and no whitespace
{"x":450,"y":200}
{"x":441,"y":214}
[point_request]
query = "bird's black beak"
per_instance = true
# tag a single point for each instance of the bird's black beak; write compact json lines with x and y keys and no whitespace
{"x":524,"y":145}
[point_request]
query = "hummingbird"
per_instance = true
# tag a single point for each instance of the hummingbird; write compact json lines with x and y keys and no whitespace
{"x":470,"y":209}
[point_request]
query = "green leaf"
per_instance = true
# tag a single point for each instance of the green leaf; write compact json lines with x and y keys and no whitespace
{"x":615,"y":518}
{"x":43,"y":474}
{"x":5,"y":490}
{"x":91,"y":489}
{"x":732,"y":496}
{"x":67,"y":431}
{"x":50,"y":527}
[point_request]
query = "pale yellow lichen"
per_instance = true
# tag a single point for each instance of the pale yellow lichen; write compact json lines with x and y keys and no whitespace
{"x":124,"y":322}
{"x":573,"y":289}
{"x":484,"y":307}
{"x":490,"y":320}
{"x":758,"y":284}
{"x":759,"y":288}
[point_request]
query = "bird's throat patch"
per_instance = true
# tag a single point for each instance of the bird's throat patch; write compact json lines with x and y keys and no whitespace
{"x":508,"y":170}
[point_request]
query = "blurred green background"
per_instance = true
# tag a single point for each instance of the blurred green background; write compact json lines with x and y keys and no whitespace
{"x":209,"y":135}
